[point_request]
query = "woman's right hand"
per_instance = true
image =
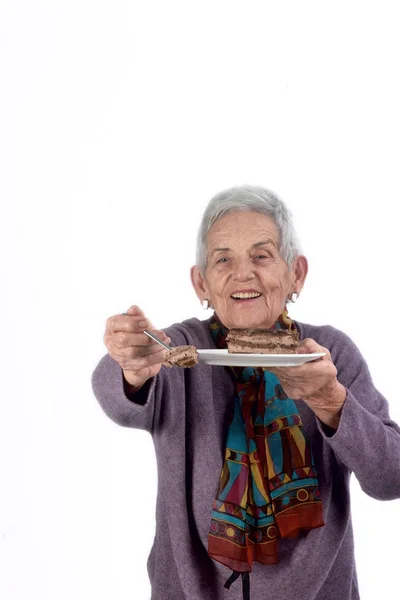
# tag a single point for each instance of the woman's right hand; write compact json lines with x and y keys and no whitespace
{"x":138,"y":355}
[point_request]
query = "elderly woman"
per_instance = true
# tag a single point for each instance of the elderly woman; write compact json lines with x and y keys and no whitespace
{"x":254,"y":464}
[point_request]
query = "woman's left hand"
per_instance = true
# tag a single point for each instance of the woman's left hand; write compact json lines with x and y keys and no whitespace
{"x":314,"y":382}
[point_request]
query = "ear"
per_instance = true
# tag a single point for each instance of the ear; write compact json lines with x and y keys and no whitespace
{"x":300,"y":270}
{"x":199,"y":283}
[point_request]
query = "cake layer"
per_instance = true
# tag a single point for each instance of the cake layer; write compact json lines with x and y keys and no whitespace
{"x":262,"y":341}
{"x":181,"y":356}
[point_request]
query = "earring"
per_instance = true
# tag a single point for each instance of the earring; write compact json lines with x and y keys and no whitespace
{"x":206,"y":304}
{"x":293,"y":297}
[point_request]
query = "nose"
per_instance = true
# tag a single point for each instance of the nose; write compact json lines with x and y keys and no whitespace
{"x":243,"y":270}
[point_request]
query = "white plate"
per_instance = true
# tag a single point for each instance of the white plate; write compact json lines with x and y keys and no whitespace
{"x":225,"y":359}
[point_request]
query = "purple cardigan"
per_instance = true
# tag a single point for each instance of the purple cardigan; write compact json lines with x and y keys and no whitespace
{"x":186,"y":412}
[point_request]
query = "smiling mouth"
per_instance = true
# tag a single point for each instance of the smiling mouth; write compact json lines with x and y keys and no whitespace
{"x":245,"y":296}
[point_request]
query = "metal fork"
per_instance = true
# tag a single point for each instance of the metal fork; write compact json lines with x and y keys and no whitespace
{"x":156,"y":339}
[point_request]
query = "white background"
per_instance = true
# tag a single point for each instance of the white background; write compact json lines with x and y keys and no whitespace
{"x":119,"y":120}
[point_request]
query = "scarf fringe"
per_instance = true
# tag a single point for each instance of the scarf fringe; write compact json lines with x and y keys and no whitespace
{"x":245,"y":583}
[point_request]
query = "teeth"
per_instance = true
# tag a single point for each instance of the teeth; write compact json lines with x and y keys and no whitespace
{"x":246,"y":295}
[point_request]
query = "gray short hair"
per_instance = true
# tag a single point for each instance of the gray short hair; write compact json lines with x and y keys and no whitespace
{"x":249,"y":199}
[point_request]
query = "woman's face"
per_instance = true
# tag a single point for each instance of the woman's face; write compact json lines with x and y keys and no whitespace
{"x":243,"y":259}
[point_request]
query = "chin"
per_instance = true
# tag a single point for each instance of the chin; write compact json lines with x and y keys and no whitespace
{"x":248,"y":322}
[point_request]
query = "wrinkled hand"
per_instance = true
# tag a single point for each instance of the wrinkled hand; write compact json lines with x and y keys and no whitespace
{"x":139,"y":357}
{"x":315,"y":383}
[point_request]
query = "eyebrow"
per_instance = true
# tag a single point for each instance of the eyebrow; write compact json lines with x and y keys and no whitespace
{"x":220,"y":250}
{"x":256,"y":245}
{"x":265,"y":243}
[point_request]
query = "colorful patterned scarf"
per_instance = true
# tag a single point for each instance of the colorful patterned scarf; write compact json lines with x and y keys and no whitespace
{"x":268,"y":485}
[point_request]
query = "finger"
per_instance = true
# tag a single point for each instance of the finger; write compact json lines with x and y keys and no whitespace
{"x":280,"y":374}
{"x":315,"y":370}
{"x":301,"y":372}
{"x":293,"y":374}
{"x":118,"y":349}
{"x":123,"y":339}
{"x":124,"y":322}
{"x":135,"y":311}
{"x":144,"y":362}
{"x":285,"y":373}
{"x":136,"y":352}
{"x":308,"y":346}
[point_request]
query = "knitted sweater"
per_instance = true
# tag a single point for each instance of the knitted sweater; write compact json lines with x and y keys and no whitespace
{"x":186,"y":411}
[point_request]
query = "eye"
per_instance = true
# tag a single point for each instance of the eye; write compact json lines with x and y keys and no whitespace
{"x":261,"y":256}
{"x":223,"y":259}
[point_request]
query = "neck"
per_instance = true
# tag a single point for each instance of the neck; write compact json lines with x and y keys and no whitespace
{"x":283,"y":321}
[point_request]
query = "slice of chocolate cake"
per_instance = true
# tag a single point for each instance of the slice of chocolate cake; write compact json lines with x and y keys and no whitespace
{"x":262,"y":341}
{"x":181,"y":356}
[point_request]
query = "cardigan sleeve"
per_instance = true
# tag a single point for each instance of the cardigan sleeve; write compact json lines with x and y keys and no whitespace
{"x":367,"y":441}
{"x":108,"y":388}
